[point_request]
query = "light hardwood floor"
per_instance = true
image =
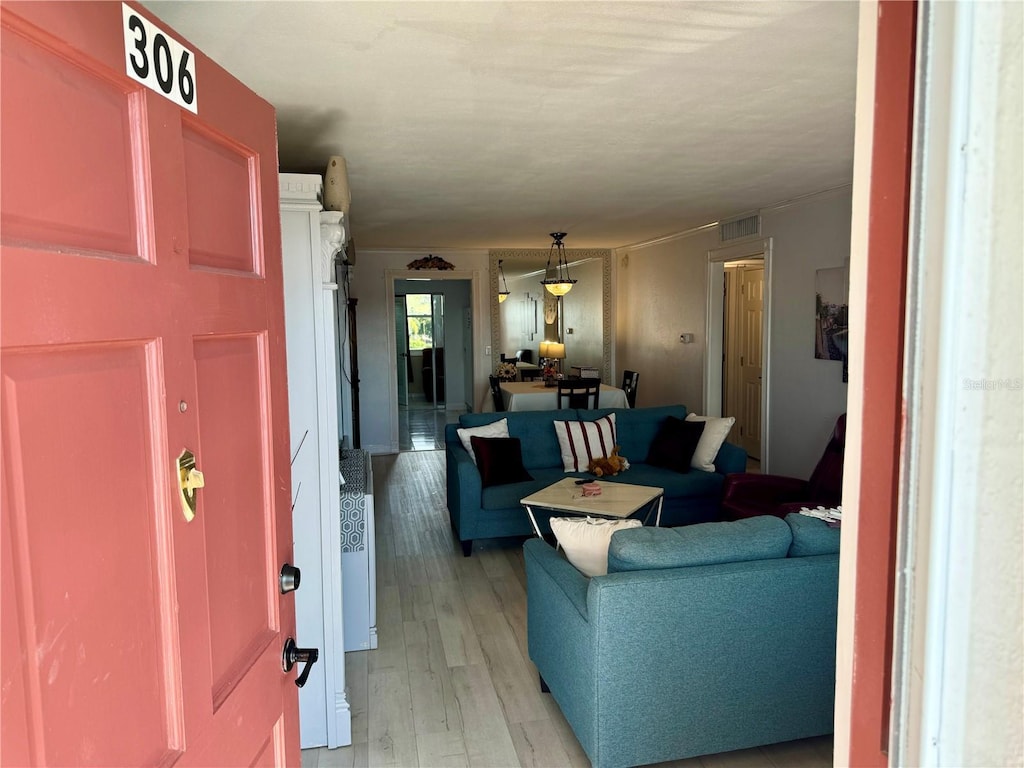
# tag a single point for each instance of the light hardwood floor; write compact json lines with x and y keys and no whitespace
{"x":451,"y":683}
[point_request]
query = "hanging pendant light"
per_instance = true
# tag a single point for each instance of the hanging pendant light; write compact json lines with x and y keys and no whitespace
{"x":504,"y":292}
{"x":559,"y":283}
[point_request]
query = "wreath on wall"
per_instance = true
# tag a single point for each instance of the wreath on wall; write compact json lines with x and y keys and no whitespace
{"x":430,"y":262}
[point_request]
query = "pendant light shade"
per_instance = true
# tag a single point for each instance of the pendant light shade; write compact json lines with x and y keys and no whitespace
{"x":558,"y":283}
{"x":503,"y":291}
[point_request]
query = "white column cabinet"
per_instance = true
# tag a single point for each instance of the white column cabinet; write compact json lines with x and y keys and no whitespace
{"x":310,"y":327}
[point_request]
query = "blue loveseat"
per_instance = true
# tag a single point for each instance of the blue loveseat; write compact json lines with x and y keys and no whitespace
{"x":699,"y":640}
{"x":483,"y":513}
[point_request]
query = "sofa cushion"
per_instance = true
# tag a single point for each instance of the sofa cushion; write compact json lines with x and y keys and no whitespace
{"x":497,"y":428}
{"x":582,"y":441}
{"x":500,"y":460}
{"x":585,"y":540}
{"x":635,"y":428}
{"x":674,"y":444}
{"x":675,"y":485}
{"x":758,"y":538}
{"x":811,"y":536}
{"x":508,"y":496}
{"x":711,"y":439}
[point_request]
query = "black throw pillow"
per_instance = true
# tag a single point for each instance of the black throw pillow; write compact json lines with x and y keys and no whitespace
{"x":499,"y":459}
{"x":675,"y":443}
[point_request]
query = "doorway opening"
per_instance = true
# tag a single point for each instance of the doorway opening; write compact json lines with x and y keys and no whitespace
{"x":742,"y":357}
{"x":433,"y":358}
{"x":738,"y":321}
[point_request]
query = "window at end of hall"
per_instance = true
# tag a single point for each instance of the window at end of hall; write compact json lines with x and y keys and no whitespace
{"x":420,"y":320}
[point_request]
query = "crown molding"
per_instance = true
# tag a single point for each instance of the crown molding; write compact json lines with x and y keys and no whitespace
{"x":777,"y":206}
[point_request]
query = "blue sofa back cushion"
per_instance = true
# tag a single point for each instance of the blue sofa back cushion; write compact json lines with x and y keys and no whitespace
{"x":635,"y":429}
{"x":535,"y":430}
{"x":811,"y":536}
{"x":755,"y":538}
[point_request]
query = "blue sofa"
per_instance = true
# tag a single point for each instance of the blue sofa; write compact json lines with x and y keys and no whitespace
{"x":700,"y":639}
{"x":483,"y":513}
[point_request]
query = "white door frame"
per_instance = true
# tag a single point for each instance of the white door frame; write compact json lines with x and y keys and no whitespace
{"x":717,"y":259}
{"x":390,"y":275}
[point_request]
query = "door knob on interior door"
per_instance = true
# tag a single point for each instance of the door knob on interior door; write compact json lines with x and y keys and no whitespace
{"x":289,"y":578}
{"x":293,"y":655}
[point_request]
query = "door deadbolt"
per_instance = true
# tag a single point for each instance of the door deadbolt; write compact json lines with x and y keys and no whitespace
{"x":289,"y":578}
{"x":293,"y":655}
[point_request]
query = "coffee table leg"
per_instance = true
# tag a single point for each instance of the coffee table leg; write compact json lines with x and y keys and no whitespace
{"x":657,"y":520}
{"x":536,"y":528}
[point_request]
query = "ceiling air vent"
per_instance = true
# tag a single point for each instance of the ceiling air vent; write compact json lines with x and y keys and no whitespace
{"x":737,"y":228}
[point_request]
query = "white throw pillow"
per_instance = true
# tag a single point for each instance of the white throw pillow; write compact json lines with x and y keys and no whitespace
{"x":711,"y":439}
{"x":581,"y":441}
{"x":494,"y":429}
{"x":586,"y":540}
{"x":716,"y":430}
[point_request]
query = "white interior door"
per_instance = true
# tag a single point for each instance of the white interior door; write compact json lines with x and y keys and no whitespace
{"x":755,"y":254}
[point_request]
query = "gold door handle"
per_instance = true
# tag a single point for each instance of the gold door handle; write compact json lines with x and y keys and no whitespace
{"x":190,"y":480}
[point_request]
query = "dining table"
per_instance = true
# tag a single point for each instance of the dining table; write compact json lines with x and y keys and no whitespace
{"x":534,"y":396}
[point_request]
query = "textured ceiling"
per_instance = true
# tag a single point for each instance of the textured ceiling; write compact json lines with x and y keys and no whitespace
{"x":491,"y":124}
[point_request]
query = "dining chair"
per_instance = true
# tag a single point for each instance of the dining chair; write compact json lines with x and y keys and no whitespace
{"x":629,"y":382}
{"x":531,"y":374}
{"x":577,"y":393}
{"x":496,"y":394}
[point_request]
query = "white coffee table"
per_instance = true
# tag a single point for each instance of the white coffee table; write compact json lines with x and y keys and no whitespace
{"x":617,"y":500}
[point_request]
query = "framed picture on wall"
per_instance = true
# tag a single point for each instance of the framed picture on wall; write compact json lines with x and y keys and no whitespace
{"x":831,"y":314}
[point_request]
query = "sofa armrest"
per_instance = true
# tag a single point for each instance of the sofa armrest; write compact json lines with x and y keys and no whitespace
{"x":766,"y":488}
{"x":463,"y":484}
{"x":731,"y":458}
{"x":560,"y":638}
{"x":549,"y":566}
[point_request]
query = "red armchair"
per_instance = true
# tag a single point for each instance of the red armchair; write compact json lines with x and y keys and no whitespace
{"x":749,"y":495}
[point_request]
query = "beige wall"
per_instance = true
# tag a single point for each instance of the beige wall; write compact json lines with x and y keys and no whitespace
{"x":806,"y":394}
{"x":662,"y":293}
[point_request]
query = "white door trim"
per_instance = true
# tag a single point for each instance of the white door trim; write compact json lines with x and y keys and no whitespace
{"x":717,"y":259}
{"x":961,"y":386}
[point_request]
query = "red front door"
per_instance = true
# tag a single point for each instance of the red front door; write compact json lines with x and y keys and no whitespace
{"x":142,"y":314}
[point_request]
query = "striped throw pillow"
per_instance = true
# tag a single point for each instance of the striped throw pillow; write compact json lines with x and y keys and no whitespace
{"x":581,"y":441}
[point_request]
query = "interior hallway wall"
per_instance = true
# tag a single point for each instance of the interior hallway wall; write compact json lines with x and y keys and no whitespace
{"x":376,"y":363}
{"x":806,"y":394}
{"x":662,"y":293}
